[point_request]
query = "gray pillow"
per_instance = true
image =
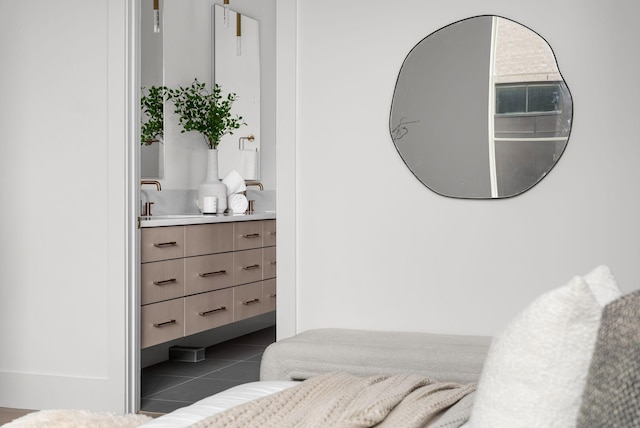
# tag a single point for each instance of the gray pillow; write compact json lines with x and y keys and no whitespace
{"x":611,"y":397}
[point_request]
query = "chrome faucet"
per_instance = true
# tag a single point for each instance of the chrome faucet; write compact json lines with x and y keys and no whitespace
{"x":146,"y":210}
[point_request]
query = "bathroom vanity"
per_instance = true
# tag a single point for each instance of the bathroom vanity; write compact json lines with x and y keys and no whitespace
{"x":202,"y":272}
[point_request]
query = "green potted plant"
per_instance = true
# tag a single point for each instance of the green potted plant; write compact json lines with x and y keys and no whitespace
{"x":152,"y":120}
{"x":209,"y":113}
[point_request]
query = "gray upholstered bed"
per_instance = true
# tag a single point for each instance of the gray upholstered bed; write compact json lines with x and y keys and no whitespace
{"x":568,"y":359}
{"x":285,"y":363}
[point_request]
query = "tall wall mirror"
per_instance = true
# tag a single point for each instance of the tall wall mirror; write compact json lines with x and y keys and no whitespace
{"x":151,"y":74}
{"x":236,"y":48}
{"x":197,"y":39}
{"x":480,"y":109}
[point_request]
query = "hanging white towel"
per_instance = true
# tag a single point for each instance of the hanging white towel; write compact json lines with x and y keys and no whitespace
{"x":250,"y":164}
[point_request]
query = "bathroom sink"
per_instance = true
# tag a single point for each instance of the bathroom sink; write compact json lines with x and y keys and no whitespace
{"x":186,"y":219}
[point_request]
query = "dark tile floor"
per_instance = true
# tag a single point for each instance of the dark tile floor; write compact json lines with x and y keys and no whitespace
{"x":172,"y":384}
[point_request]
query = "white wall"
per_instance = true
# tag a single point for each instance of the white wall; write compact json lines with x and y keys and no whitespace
{"x":370,"y":247}
{"x":63,"y":219}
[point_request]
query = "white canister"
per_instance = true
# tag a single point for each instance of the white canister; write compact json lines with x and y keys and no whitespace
{"x":209,"y":204}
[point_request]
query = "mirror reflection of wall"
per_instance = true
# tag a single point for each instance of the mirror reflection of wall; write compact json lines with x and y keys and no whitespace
{"x":151,"y":66}
{"x":480,"y":109}
{"x":152,"y":161}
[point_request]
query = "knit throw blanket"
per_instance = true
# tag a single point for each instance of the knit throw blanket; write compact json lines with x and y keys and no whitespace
{"x":343,"y":400}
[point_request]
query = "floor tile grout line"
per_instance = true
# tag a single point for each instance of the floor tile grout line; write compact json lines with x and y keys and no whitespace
{"x":231,"y":363}
{"x":172,"y":386}
{"x":215,"y":359}
{"x":169,"y":375}
{"x":222,"y":368}
{"x":191,"y":378}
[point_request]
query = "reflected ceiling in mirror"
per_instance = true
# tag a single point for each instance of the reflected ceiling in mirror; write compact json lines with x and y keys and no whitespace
{"x":480,"y":109}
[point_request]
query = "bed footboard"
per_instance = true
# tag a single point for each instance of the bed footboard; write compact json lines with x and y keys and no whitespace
{"x":440,"y":357}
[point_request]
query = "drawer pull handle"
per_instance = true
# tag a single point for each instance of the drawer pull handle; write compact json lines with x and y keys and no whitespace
{"x":205,"y":313}
{"x":251,"y":235}
{"x":273,"y":263}
{"x":216,"y":273}
{"x":273,"y":296}
{"x":164,"y":324}
{"x":165,"y":282}
{"x":273,"y":233}
{"x":250,"y":302}
{"x":165,"y":244}
{"x":251,"y":267}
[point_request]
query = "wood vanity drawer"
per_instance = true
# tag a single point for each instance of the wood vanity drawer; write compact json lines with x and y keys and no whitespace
{"x":208,"y":239}
{"x":208,"y":273}
{"x":247,"y":301}
{"x":247,"y":266}
{"x":161,"y":322}
{"x":161,"y":243}
{"x":161,"y":281}
{"x":269,"y":232}
{"x":247,"y":234}
{"x":208,"y":310}
{"x":268,"y":262}
{"x":199,"y":277}
{"x":269,"y":295}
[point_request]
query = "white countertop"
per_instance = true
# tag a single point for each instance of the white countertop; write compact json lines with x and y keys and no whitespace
{"x":182,"y":219}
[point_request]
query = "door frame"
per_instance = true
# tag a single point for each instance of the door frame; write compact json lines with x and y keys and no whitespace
{"x":286,"y":187}
{"x":132,"y":365}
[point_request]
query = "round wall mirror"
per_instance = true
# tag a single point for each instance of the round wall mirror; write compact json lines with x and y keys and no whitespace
{"x":480,"y":109}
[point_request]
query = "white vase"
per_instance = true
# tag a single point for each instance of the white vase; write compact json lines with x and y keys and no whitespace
{"x":212,"y":186}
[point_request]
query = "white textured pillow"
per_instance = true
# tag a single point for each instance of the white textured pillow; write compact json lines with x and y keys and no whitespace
{"x":603,"y":285}
{"x":537,"y":367}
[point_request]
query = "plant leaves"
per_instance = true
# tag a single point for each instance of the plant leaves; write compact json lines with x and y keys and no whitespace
{"x":208,"y":113}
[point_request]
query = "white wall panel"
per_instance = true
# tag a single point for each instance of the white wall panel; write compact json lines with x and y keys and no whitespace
{"x":62,"y":222}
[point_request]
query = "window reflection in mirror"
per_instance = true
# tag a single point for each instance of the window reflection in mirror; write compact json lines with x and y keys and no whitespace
{"x":513,"y":109}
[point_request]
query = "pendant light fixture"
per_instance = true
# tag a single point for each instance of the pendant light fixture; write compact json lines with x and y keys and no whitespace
{"x":226,"y":13}
{"x":238,"y":34}
{"x":156,"y":16}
